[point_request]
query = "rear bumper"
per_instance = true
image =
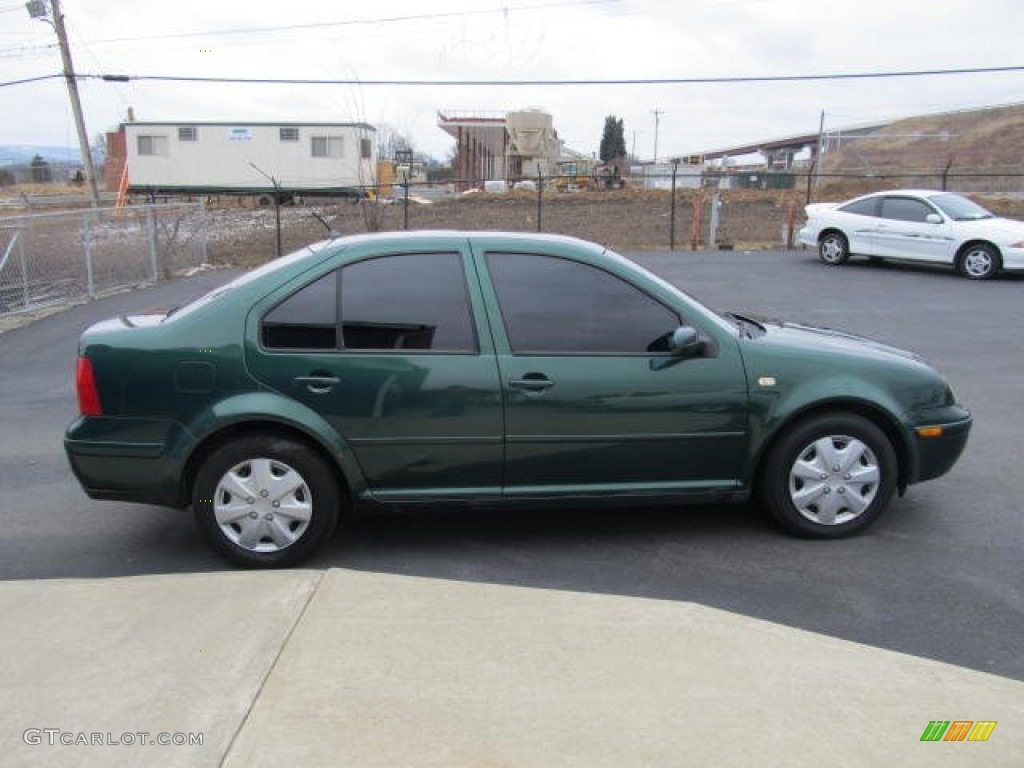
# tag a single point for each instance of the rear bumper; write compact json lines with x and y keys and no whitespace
{"x":127,"y":459}
{"x":806,"y":237}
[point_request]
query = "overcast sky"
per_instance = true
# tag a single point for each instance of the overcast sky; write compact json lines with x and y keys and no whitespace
{"x":518,"y":39}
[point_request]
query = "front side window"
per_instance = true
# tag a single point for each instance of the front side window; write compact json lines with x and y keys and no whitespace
{"x":905,"y":209}
{"x":290,"y":133}
{"x":187,"y":133}
{"x":327,"y":146}
{"x":152,"y":145}
{"x":557,"y":306}
{"x":409,"y":301}
{"x":365,"y":149}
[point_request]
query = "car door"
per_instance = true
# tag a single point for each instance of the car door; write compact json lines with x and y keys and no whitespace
{"x":904,"y":232}
{"x":388,"y":349}
{"x":858,"y":220}
{"x":593,"y":400}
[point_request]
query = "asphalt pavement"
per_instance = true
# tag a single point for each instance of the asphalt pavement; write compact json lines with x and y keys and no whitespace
{"x":540,"y":638}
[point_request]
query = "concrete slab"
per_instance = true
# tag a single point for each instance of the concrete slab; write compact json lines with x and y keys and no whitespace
{"x":389,"y":670}
{"x":183,"y":654}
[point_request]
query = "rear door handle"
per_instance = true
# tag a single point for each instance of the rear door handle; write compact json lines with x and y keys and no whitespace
{"x":317,"y":383}
{"x":532,"y":383}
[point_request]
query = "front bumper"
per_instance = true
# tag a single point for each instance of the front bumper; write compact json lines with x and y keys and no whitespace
{"x":935,"y":455}
{"x":1013,"y":258}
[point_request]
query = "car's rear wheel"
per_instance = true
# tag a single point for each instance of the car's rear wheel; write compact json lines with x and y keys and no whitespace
{"x":834,"y":249}
{"x":829,"y":476}
{"x":979,"y":262}
{"x":265,"y":501}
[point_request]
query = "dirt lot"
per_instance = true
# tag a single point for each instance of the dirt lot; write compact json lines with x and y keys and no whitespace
{"x":237,"y":231}
{"x":626,"y":220}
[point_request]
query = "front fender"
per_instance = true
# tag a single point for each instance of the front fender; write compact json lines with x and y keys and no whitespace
{"x":774,"y":409}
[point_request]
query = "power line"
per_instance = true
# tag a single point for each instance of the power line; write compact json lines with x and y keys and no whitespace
{"x":360,"y":22}
{"x":538,"y":83}
{"x":30,"y":80}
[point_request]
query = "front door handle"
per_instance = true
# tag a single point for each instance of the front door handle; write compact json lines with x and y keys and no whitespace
{"x":318,"y":384}
{"x":532,"y":382}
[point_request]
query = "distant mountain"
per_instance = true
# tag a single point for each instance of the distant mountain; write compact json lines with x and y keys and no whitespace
{"x":22,"y":154}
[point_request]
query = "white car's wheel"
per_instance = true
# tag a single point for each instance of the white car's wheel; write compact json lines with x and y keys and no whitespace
{"x":979,"y":262}
{"x":834,"y":249}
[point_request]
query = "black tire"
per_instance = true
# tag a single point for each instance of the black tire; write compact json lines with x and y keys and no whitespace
{"x":834,"y":248}
{"x":979,"y":261}
{"x":814,"y":493}
{"x":284,"y":525}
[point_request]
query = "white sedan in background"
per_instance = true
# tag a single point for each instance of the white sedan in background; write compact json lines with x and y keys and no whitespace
{"x":916,"y":225}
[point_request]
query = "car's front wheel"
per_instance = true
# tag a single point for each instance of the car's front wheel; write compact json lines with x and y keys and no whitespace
{"x":979,"y":262}
{"x":834,"y":248}
{"x":829,"y":476}
{"x":264,"y":501}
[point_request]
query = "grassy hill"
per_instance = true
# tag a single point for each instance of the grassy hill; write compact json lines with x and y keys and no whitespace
{"x":981,"y":150}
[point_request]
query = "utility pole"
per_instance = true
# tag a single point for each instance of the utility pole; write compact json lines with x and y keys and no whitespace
{"x":37,"y":10}
{"x":657,"y":119}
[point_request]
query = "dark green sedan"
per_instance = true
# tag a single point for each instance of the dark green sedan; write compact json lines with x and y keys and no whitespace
{"x":443,"y":368}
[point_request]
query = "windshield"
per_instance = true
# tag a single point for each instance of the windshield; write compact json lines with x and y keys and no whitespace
{"x":960,"y":208}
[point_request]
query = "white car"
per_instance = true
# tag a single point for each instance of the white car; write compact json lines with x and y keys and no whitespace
{"x":916,"y":225}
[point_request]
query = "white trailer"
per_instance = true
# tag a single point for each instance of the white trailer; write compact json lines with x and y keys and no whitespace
{"x":312,"y":159}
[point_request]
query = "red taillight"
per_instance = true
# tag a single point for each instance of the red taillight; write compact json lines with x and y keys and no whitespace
{"x":85,"y":383}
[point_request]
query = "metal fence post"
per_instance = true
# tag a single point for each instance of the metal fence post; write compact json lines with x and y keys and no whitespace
{"x":540,"y":199}
{"x":202,"y":232}
{"x":405,"y":203}
{"x":672,"y":215}
{"x":713,"y":236}
{"x":24,"y":269}
{"x":695,"y":224}
{"x":790,"y":222}
{"x":87,"y":247}
{"x":151,"y":238}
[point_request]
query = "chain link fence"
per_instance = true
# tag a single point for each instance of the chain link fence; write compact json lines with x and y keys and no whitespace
{"x":56,"y":258}
{"x":61,"y":257}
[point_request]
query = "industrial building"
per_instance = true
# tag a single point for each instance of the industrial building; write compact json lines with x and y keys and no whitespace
{"x":501,"y":145}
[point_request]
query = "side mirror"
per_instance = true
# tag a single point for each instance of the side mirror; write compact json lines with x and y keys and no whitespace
{"x":933,"y":218}
{"x":685,"y":342}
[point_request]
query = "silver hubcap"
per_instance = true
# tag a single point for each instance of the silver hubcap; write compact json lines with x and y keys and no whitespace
{"x":834,"y":479}
{"x":262,"y":505}
{"x":978,"y":263}
{"x":831,"y":249}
